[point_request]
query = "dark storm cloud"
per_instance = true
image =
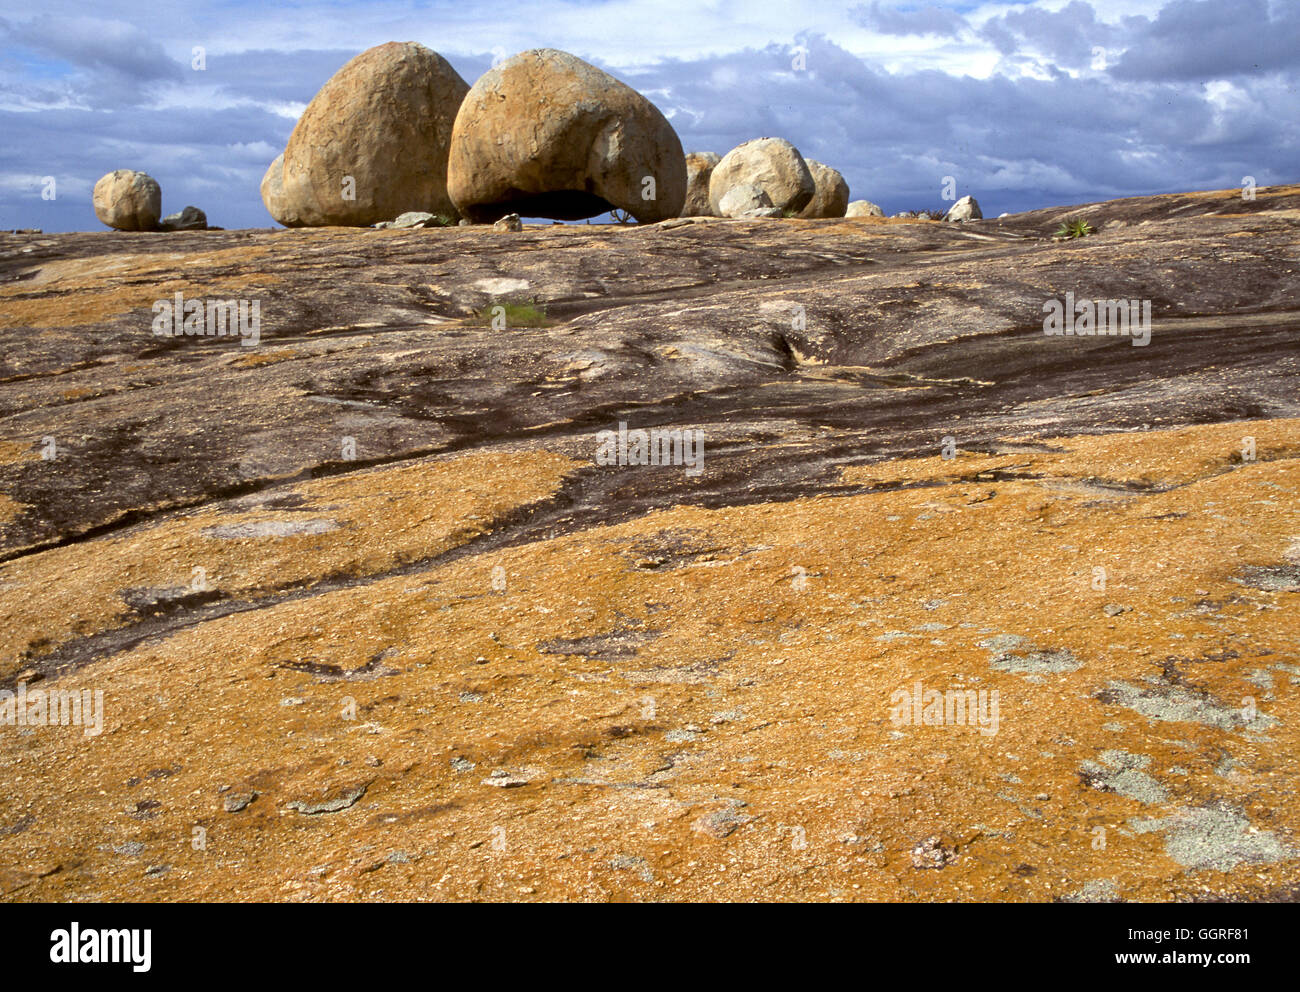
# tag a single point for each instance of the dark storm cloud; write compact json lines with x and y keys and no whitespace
{"x":1214,"y":39}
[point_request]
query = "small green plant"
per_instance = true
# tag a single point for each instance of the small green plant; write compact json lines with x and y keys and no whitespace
{"x":1074,"y":229}
{"x":506,"y":314}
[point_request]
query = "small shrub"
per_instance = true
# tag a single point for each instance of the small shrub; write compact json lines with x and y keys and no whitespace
{"x":1074,"y":229}
{"x":513,"y":314}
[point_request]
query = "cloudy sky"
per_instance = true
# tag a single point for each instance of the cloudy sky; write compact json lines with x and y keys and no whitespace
{"x":1026,"y":104}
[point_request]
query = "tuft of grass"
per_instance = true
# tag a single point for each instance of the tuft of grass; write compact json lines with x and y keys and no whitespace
{"x":1074,"y":229}
{"x":504,"y":314}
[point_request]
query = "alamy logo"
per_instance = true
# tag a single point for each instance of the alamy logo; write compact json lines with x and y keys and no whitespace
{"x":656,"y":446}
{"x":77,"y":946}
{"x":923,"y":707}
{"x":1088,"y":318}
{"x":52,"y":708}
{"x":211,"y":318}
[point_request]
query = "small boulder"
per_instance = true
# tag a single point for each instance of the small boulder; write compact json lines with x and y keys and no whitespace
{"x":415,"y":218}
{"x":510,"y":222}
{"x":545,"y":134}
{"x":189,"y":219}
{"x":863,"y":208}
{"x":127,"y":200}
{"x":831,"y":198}
{"x":967,"y":208}
{"x":742,"y":199}
{"x":699,"y":170}
{"x":278,"y":205}
{"x":772,"y":163}
{"x":763,"y":212}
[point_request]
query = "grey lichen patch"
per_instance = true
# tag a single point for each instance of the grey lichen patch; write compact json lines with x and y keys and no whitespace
{"x":722,"y":823}
{"x":271,"y":528}
{"x":1226,"y":766}
{"x":1029,"y":662}
{"x":1119,"y":772}
{"x":1096,"y":890}
{"x":1037,"y":663}
{"x":1270,"y":578}
{"x":1116,"y":758}
{"x":1001,"y":643}
{"x":1219,"y":839}
{"x":1177,"y":704}
{"x":1261,"y":677}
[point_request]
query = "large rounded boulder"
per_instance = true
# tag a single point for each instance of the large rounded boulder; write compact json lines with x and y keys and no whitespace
{"x":373,"y":143}
{"x":127,"y":200}
{"x":545,"y":134}
{"x":771,"y":163}
{"x":699,"y":170}
{"x":831,"y":197}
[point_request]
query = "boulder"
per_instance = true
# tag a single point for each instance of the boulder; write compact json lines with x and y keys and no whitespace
{"x":967,"y":208}
{"x":774,"y":213}
{"x":189,"y":219}
{"x":127,"y":200}
{"x":544,"y":134}
{"x":863,"y":208}
{"x":510,"y":222}
{"x":415,"y":218}
{"x":772,"y":163}
{"x":831,"y":196}
{"x":743,"y":198}
{"x":277,"y":204}
{"x":699,"y":169}
{"x":372,"y":144}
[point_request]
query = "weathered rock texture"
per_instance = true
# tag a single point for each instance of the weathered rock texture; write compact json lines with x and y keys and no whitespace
{"x":372,"y":144}
{"x":699,"y":168}
{"x":545,"y":134}
{"x":772,"y":163}
{"x":831,"y":196}
{"x":434,"y":650}
{"x":128,"y":200}
{"x":741,"y":199}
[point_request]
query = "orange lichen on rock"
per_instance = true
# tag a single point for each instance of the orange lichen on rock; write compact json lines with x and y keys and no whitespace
{"x":705,"y":704}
